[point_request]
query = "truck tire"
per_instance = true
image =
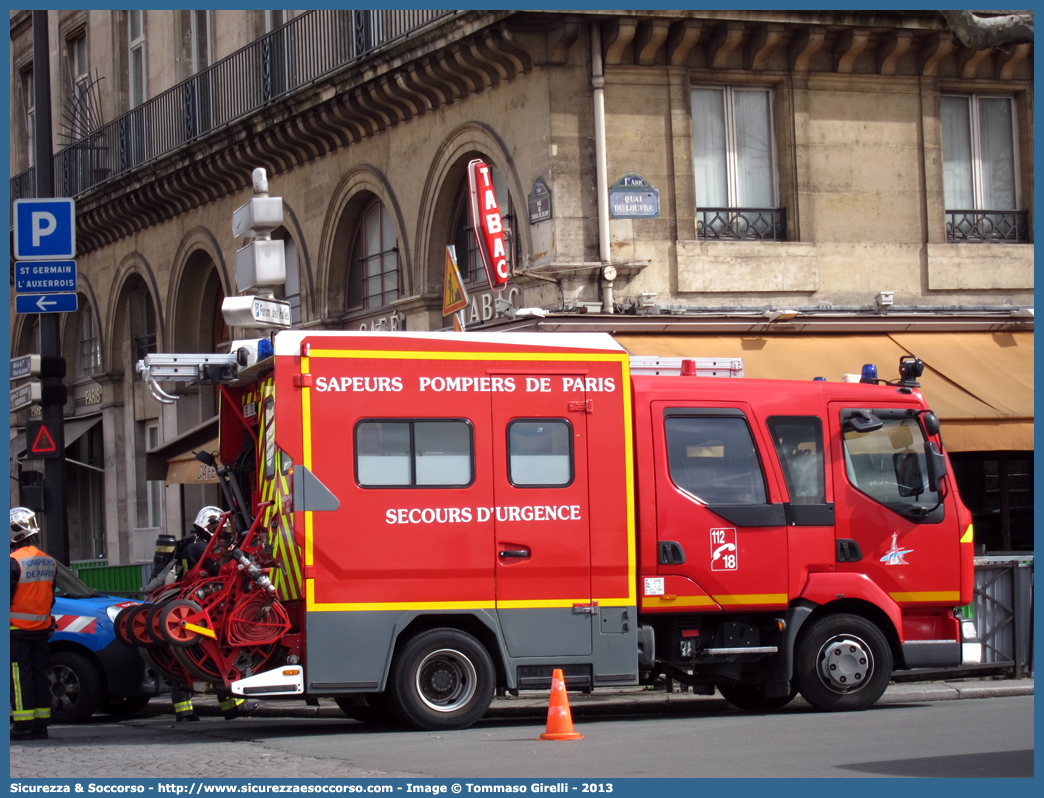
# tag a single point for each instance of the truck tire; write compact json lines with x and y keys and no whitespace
{"x":843,"y":663}
{"x":752,"y":698}
{"x":75,"y":687}
{"x":443,"y":679}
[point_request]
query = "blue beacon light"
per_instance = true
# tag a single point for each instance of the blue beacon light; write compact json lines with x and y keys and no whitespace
{"x":869,"y":374}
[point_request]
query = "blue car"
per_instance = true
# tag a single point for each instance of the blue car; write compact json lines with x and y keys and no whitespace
{"x":90,"y":670}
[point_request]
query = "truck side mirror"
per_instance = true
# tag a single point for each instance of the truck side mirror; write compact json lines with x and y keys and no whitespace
{"x":935,"y":462}
{"x":931,"y":423}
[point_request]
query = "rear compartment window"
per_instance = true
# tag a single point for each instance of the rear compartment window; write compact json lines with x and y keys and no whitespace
{"x":540,"y":453}
{"x":415,"y":453}
{"x":714,"y":459}
{"x":799,"y":445}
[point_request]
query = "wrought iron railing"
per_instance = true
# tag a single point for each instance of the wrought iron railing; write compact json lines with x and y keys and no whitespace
{"x":741,"y":224}
{"x":306,"y":48}
{"x":24,"y":185}
{"x":988,"y":227}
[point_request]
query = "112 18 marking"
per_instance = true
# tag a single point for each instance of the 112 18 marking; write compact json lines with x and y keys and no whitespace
{"x":724,"y":554}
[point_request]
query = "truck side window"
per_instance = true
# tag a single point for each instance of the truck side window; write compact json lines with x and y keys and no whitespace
{"x":714,"y":459}
{"x":422,"y":453}
{"x":888,"y":464}
{"x":799,"y":446}
{"x":540,"y":453}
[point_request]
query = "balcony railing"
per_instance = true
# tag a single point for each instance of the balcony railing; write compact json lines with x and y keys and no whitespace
{"x":741,"y":224}
{"x":987,"y":227}
{"x":308,"y":47}
{"x":24,"y":185}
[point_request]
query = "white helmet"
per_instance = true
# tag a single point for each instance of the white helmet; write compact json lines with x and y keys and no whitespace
{"x":208,"y":517}
{"x":23,"y":524}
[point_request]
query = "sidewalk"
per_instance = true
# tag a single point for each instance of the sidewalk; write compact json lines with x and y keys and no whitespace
{"x":636,"y":700}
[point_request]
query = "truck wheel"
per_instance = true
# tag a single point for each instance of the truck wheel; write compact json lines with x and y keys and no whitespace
{"x":124,"y":707}
{"x":75,"y":687}
{"x":843,"y":663}
{"x":443,"y":679}
{"x":752,"y":698}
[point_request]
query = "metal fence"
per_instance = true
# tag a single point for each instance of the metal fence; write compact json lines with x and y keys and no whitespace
{"x":741,"y":224}
{"x":987,"y":227}
{"x":1003,"y":611}
{"x":309,"y":46}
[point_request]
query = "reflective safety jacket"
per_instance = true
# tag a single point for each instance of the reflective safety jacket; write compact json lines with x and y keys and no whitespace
{"x":34,"y":595}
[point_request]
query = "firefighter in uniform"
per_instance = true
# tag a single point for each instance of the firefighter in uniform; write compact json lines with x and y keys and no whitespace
{"x":190,"y":552}
{"x":32,"y":596}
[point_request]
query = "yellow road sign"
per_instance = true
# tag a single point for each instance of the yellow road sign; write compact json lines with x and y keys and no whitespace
{"x":454,"y":297}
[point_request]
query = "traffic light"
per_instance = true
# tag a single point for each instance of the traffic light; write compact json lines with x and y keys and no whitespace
{"x":51,"y":366}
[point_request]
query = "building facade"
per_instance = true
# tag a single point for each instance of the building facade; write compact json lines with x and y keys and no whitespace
{"x":807,"y":191}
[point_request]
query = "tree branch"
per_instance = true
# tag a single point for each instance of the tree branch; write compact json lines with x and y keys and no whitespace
{"x":978,"y":33}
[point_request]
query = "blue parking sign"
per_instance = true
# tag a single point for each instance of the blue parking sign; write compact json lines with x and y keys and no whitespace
{"x":45,"y":229}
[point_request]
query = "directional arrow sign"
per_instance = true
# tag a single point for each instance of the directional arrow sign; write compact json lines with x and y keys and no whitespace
{"x":45,"y":303}
{"x":25,"y":395}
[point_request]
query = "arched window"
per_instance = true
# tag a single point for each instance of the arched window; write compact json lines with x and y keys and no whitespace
{"x":468,"y":263}
{"x":373,"y":275}
{"x":142,"y":324}
{"x":88,"y":355}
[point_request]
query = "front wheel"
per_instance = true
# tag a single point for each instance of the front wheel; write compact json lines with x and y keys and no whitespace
{"x":843,"y":663}
{"x":443,"y":679}
{"x":75,"y":687}
{"x":752,"y":698}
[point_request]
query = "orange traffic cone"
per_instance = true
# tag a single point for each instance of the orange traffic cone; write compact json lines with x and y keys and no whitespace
{"x":559,"y":718}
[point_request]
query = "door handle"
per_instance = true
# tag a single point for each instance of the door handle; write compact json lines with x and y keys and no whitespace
{"x":513,"y":553}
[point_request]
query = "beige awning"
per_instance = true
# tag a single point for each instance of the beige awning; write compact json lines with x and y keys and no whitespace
{"x":185,"y":469}
{"x":979,"y":384}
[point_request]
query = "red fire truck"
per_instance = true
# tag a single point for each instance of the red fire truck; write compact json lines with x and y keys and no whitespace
{"x":419,"y":520}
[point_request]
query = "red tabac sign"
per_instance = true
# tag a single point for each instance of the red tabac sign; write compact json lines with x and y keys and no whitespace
{"x":488,"y":224}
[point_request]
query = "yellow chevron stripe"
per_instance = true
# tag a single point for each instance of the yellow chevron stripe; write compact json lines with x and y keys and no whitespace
{"x":969,"y":535}
{"x":927,"y":595}
{"x":751,"y":598}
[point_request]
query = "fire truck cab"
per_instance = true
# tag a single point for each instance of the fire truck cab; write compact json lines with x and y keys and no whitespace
{"x":445,"y":516}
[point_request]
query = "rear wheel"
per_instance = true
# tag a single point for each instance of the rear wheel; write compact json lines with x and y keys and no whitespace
{"x":75,"y":687}
{"x":843,"y":662}
{"x":443,"y":679}
{"x":752,"y":698}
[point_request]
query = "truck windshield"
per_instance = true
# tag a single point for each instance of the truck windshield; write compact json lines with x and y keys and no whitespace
{"x":888,"y":464}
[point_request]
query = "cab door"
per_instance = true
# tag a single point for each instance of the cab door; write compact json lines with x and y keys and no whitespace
{"x":907,"y":535}
{"x":720,"y":521}
{"x":541,"y":516}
